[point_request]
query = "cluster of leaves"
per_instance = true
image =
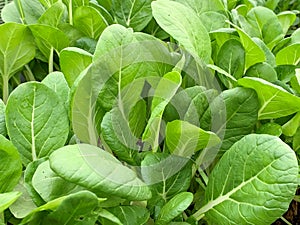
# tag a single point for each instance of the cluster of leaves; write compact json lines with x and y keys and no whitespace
{"x":148,"y":112}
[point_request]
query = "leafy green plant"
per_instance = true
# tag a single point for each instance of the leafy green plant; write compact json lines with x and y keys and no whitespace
{"x":149,"y":112}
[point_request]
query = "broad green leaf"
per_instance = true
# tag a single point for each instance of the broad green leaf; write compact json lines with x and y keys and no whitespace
{"x":2,"y":119}
{"x":204,"y":6}
{"x":134,"y":14}
{"x":289,"y":55}
{"x":274,"y":101}
{"x":183,"y":102}
{"x":16,"y":50}
{"x":286,"y":73}
{"x":130,"y":215}
{"x":67,"y":208}
{"x":184,"y":139}
{"x":37,"y":122}
{"x":10,"y":13}
{"x":270,"y":57}
{"x":121,"y":57}
{"x":10,"y":165}
{"x":249,"y":180}
{"x":48,"y":37}
{"x":99,"y":171}
{"x":57,"y":82}
{"x":231,"y":58}
{"x":290,"y":127}
{"x":167,"y":175}
{"x":24,"y":204}
{"x":270,"y":128}
{"x":77,"y":209}
{"x":54,"y":15}
{"x":263,"y":71}
{"x":107,"y":218}
{"x":49,"y":185}
{"x":213,"y":20}
{"x":73,"y":61}
{"x":165,"y":90}
{"x":286,"y":20}
{"x":254,"y":54}
{"x":174,"y":207}
{"x":89,"y":21}
{"x":295,"y":81}
{"x":232,"y":115}
{"x":30,"y":191}
{"x":262,"y":22}
{"x":183,"y":24}
{"x":116,"y":133}
{"x":6,"y":199}
{"x":295,"y":37}
{"x":32,"y":11}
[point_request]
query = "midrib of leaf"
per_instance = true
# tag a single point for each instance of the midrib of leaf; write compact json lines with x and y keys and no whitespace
{"x":130,"y":13}
{"x":211,"y":204}
{"x":33,"y":150}
{"x":265,"y":104}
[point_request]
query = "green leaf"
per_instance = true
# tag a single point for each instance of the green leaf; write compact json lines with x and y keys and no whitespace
{"x":204,"y":6}
{"x":262,"y":22}
{"x":274,"y":101}
{"x":263,"y":71}
{"x":6,"y":199}
{"x":118,"y":137}
{"x":48,"y":37}
{"x":77,"y":209}
{"x":183,"y":24}
{"x":57,"y":82}
{"x":24,"y":204}
{"x":120,"y":59}
{"x":270,"y":128}
{"x":30,"y":192}
{"x":16,"y":50}
{"x":73,"y":61}
{"x":231,"y":58}
{"x":89,"y":21}
{"x":165,"y":90}
{"x":232,"y":115}
{"x":54,"y":15}
{"x":174,"y":207}
{"x":286,"y":20}
{"x":31,"y":12}
{"x":289,"y":55}
{"x":37,"y":122}
{"x":130,"y":215}
{"x":167,"y":175}
{"x":254,"y":54}
{"x":2,"y":118}
{"x":249,"y":180}
{"x":290,"y":127}
{"x":99,"y":171}
{"x":10,"y":165}
{"x":135,"y":14}
{"x":184,"y":139}
{"x":49,"y":185}
{"x":213,"y":20}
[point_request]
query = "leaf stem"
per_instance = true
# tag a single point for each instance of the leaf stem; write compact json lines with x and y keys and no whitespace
{"x":5,"y":90}
{"x":29,"y":74}
{"x":71,"y":12}
{"x":285,"y":220}
{"x":50,"y":64}
{"x":21,"y":11}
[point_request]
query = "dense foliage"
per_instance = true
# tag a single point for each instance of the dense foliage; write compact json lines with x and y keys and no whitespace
{"x":149,"y":112}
